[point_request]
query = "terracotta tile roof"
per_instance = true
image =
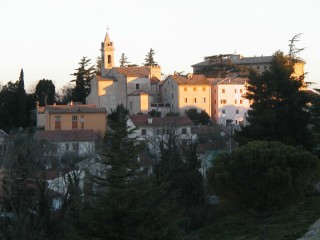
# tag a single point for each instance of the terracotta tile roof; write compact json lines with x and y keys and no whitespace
{"x":75,"y":109}
{"x":195,"y":79}
{"x":141,"y":72}
{"x":66,"y":135}
{"x":142,"y":120}
{"x":41,"y":109}
{"x":154,"y":80}
{"x":138,"y":93}
{"x":227,"y":81}
{"x":100,"y":78}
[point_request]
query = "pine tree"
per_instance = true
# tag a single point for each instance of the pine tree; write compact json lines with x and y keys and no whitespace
{"x":83,"y":76}
{"x":279,"y":110}
{"x":149,"y":60}
{"x":123,"y":61}
{"x":45,"y":91}
{"x":22,"y":102}
{"x":130,"y":207}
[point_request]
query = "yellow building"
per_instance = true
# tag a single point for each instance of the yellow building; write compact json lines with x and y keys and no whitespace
{"x":75,"y":117}
{"x":183,"y":92}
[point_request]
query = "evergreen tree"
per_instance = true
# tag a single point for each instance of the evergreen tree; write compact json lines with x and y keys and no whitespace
{"x":9,"y":106}
{"x":83,"y":76}
{"x":149,"y":60}
{"x":97,"y":69}
{"x":22,"y":102}
{"x":123,"y":61}
{"x":45,"y":91}
{"x":279,"y":110}
{"x":129,"y":207}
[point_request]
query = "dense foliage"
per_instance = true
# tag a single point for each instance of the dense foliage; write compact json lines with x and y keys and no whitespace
{"x":280,"y":106}
{"x":264,"y":176}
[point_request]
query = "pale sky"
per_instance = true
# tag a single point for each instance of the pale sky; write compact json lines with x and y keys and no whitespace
{"x":47,"y":38}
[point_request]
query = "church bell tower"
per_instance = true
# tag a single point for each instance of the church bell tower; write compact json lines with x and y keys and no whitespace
{"x":107,"y":54}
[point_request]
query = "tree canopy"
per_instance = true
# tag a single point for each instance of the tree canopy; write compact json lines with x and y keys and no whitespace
{"x":280,"y":107}
{"x":45,"y":91}
{"x":124,"y":61}
{"x":149,"y":60}
{"x":83,"y":74}
{"x":264,"y":176}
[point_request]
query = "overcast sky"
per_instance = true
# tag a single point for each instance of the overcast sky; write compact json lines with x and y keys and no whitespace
{"x":47,"y":38}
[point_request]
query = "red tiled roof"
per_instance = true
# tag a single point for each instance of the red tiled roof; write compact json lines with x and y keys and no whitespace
{"x":195,"y":79}
{"x":66,"y":135}
{"x":141,"y":72}
{"x":142,"y":120}
{"x":100,"y":78}
{"x":154,"y":80}
{"x":41,"y":109}
{"x":84,"y":108}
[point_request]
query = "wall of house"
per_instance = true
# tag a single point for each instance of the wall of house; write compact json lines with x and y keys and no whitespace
{"x":170,"y":94}
{"x":144,"y":103}
{"x":41,"y":120}
{"x":143,"y":84}
{"x":229,"y":103}
{"x":194,"y":96}
{"x":94,"y":121}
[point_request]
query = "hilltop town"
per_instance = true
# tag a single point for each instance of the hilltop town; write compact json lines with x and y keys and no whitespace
{"x":129,"y":154}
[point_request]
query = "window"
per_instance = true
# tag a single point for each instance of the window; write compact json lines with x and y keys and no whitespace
{"x":235,"y":91}
{"x":223,"y":111}
{"x":240,"y":90}
{"x":109,"y":59}
{"x":265,"y":67}
{"x":57,"y":122}
{"x":172,"y":95}
{"x":168,"y":131}
{"x":74,"y":122}
{"x":159,"y":131}
{"x":195,"y":100}
{"x":137,"y":86}
{"x":194,"y":89}
{"x":223,"y":90}
{"x":237,"y":111}
{"x":165,"y":90}
{"x":235,"y":101}
{"x":131,"y":105}
{"x":258,"y":67}
{"x":203,"y":88}
{"x":223,"y":101}
{"x":186,"y":100}
{"x":184,"y":131}
{"x":185,"y":89}
{"x":67,"y":147}
{"x":215,"y":101}
{"x":204,"y":100}
{"x":143,"y":132}
{"x":241,"y":101}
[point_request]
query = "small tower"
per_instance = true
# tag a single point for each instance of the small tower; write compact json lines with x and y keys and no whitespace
{"x":107,"y":54}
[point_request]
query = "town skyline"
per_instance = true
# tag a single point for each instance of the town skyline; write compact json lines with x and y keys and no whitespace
{"x":48,"y":39}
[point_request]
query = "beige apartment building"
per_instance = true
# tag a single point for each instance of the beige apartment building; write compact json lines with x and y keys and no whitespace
{"x":228,"y":102}
{"x":183,"y":92}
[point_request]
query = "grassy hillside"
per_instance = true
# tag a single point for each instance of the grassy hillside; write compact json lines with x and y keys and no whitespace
{"x":289,"y":224}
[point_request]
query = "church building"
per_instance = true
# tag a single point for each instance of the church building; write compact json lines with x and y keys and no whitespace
{"x":136,"y":88}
